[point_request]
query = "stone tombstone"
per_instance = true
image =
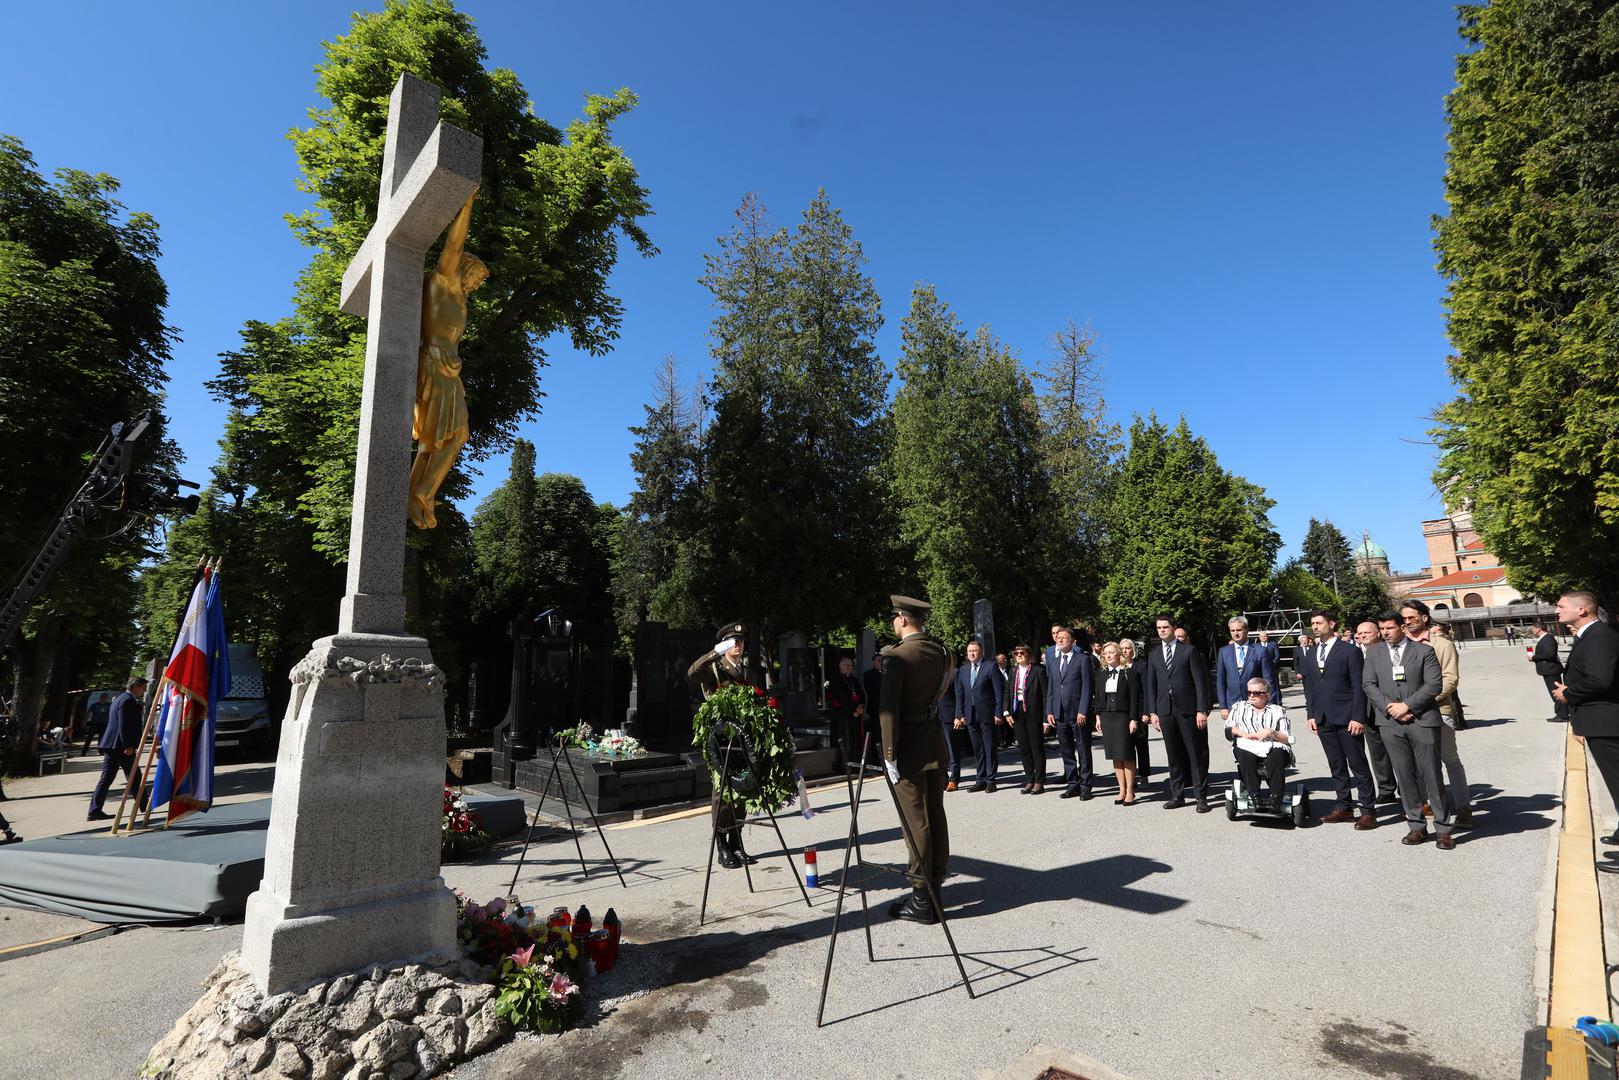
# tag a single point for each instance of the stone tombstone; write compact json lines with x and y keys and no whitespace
{"x":984,"y":627}
{"x":351,"y":863}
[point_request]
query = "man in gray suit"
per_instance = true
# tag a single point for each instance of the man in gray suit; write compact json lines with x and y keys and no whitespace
{"x":1402,"y":679}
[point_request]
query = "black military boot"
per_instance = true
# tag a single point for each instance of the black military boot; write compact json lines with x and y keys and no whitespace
{"x":915,"y":908}
{"x":737,"y":849}
{"x":727,"y":857}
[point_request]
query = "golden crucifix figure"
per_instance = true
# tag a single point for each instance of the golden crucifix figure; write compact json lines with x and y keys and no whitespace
{"x":440,"y":424}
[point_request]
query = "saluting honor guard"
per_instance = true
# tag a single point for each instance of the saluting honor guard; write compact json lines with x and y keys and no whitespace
{"x":724,"y":665}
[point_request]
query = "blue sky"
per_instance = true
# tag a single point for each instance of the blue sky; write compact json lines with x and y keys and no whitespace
{"x":1236,"y":196}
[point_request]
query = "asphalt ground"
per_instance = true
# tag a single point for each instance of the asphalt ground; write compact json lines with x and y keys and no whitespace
{"x":1157,"y":944}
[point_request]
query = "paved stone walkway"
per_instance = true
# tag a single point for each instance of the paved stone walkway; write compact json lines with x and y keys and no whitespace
{"x":1159,"y":944}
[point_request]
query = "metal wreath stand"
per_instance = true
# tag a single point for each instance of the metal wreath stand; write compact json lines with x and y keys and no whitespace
{"x":863,"y":868}
{"x":738,"y":749}
{"x":559,"y":755}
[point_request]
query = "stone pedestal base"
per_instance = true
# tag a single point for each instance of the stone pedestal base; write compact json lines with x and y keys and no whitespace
{"x":412,"y":1021}
{"x":351,"y":863}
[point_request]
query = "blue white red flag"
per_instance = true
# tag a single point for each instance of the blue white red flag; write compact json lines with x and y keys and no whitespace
{"x":197,"y":676}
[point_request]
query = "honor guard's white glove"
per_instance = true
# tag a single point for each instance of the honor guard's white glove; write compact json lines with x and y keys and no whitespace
{"x":725,"y":646}
{"x":893,"y":771}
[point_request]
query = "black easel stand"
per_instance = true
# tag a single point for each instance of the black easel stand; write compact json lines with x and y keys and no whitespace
{"x":558,"y":755}
{"x":863,"y":868}
{"x":726,"y":783}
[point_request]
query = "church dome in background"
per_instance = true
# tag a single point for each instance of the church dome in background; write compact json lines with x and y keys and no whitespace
{"x":1370,"y":556}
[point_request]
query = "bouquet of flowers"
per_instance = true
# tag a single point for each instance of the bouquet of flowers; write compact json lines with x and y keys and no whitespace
{"x":460,"y":832}
{"x":613,"y":743}
{"x":617,"y":744}
{"x":757,"y":720}
{"x":537,"y":967}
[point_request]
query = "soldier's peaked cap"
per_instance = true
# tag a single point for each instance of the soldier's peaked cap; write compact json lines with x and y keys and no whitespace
{"x":735,"y":628}
{"x":909,"y":605}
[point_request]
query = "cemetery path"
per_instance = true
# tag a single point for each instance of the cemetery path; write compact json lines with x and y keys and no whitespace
{"x":1160,"y":944}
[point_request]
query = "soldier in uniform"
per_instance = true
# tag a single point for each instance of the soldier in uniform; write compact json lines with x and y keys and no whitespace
{"x":916,"y":672}
{"x":725,"y":665}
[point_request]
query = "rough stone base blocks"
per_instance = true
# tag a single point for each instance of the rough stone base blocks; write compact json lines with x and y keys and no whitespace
{"x":351,"y":863}
{"x":398,"y":1023}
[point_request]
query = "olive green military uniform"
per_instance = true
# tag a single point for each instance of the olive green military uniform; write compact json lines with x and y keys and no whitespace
{"x":710,"y":672}
{"x":914,"y":672}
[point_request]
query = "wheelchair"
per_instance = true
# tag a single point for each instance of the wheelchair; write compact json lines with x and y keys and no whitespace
{"x":1293,"y":806}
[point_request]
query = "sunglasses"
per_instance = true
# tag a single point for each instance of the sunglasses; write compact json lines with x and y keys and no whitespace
{"x":1259,"y":693}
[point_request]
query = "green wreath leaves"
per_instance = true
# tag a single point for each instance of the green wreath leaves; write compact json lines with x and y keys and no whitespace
{"x":767,"y":738}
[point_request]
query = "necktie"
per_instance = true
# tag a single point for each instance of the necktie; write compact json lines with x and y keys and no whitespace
{"x":1062,"y":666}
{"x":1169,"y":655}
{"x":974,"y":679}
{"x":1242,"y":656}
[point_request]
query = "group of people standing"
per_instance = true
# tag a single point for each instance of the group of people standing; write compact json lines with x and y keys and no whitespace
{"x":1386,"y":734}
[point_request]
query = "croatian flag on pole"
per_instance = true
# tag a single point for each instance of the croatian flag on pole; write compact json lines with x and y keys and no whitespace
{"x":198,"y":675}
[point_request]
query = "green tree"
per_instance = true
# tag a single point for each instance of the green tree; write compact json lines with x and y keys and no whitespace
{"x":551,"y":210}
{"x":82,"y":346}
{"x":1079,"y":449}
{"x":792,"y":486}
{"x":657,"y":574}
{"x":1531,"y":252}
{"x":505,"y":541}
{"x":968,"y":473}
{"x":1297,"y":587}
{"x":1190,"y":539}
{"x":1326,"y":555}
{"x":1365,"y":596}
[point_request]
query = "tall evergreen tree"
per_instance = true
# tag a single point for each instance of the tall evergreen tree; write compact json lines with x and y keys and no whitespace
{"x":505,"y":540}
{"x":968,"y":473}
{"x":792,"y":456}
{"x":1079,"y":450}
{"x":657,"y":572}
{"x":1190,"y":538}
{"x":1531,"y":251}
{"x":1325,"y":553}
{"x":82,"y":346}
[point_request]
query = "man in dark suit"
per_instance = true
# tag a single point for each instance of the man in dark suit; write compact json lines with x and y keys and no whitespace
{"x":1068,"y":709}
{"x":1403,"y":681}
{"x":1178,"y":688}
{"x":1238,"y":662}
{"x":118,"y":745}
{"x":1335,"y":704}
{"x":1590,"y":686}
{"x":1549,"y":666}
{"x":916,"y":676}
{"x":1377,"y":755}
{"x":980,"y":706}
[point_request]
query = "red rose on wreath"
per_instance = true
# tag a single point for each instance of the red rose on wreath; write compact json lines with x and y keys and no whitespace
{"x":758,"y":691}
{"x":773,"y":703}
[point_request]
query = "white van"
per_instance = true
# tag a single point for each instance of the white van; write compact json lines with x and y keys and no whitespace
{"x":243,"y":718}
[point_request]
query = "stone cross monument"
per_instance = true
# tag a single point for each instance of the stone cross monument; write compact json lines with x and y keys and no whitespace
{"x":351,"y":866}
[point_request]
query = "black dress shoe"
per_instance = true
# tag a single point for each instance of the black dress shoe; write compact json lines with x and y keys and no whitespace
{"x":1203,"y":806}
{"x":1085,"y":794}
{"x":980,"y":786}
{"x":1174,"y":804}
{"x":1388,"y":799}
{"x":11,"y":838}
{"x":915,"y":908}
{"x":98,"y":815}
{"x":1070,"y":793}
{"x":990,"y":786}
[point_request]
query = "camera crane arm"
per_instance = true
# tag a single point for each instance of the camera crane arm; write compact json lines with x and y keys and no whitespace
{"x":103,"y":489}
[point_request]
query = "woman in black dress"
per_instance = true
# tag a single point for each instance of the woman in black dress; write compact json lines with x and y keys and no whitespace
{"x":1138,"y":666}
{"x":1118,"y":714}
